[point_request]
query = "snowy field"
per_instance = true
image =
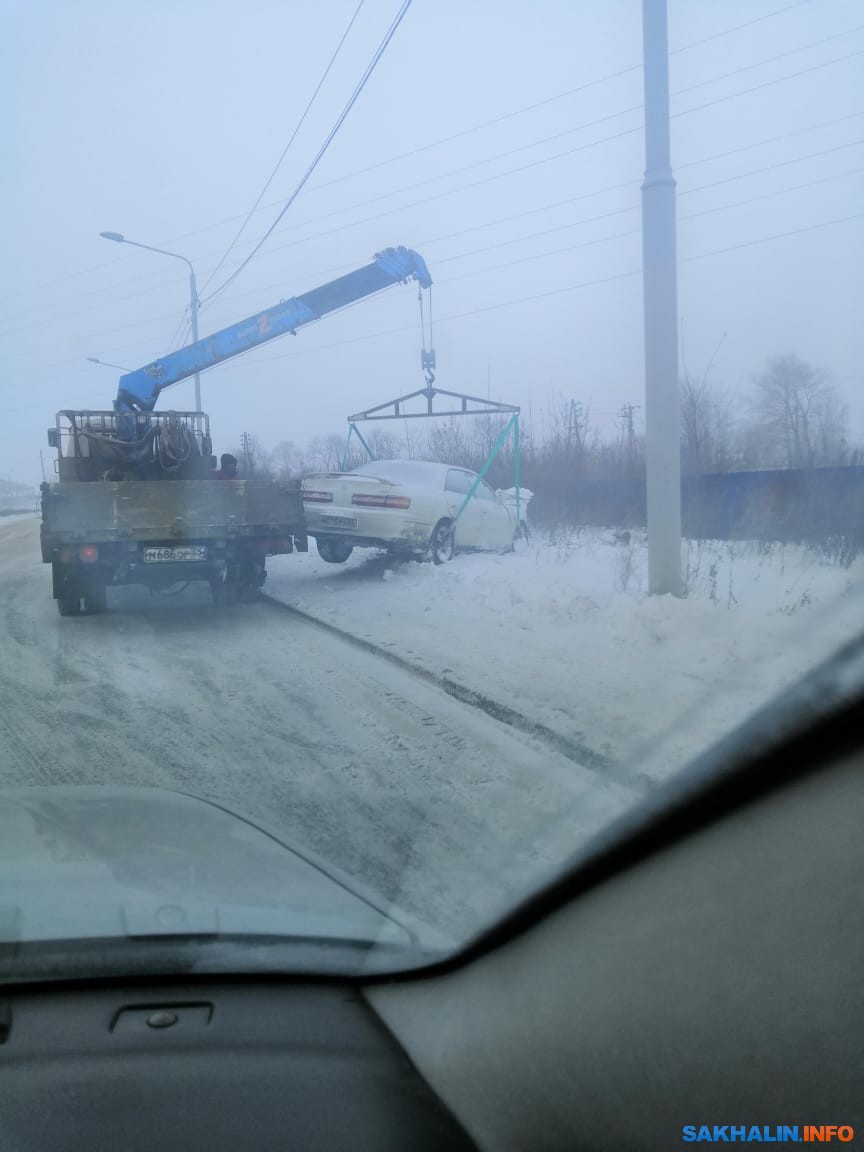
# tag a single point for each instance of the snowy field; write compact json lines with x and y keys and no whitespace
{"x":564,"y":632}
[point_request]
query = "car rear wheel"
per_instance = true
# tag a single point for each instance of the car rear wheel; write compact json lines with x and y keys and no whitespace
{"x":442,"y":544}
{"x":333,"y":551}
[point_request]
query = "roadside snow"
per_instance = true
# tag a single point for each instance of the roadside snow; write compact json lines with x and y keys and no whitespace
{"x":564,"y":632}
{"x":12,"y":517}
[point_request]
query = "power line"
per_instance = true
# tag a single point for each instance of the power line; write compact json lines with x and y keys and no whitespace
{"x":769,"y":83}
{"x":739,"y":27}
{"x":484,"y":224}
{"x":635,"y":208}
{"x":525,"y":167}
{"x":769,"y":60}
{"x":586,"y":124}
{"x":527,"y":146}
{"x":538,"y":256}
{"x":575,"y":287}
{"x":557,"y":291}
{"x":775,"y":236}
{"x":293,"y":137}
{"x":172,"y":343}
{"x":562,"y":291}
{"x":370,"y":68}
{"x":617,"y":212}
{"x":615,"y":236}
{"x":558,"y":155}
{"x":704,"y":187}
{"x":771,"y":167}
{"x":771,"y":139}
{"x":585,"y":220}
{"x":433,"y":144}
{"x":777,"y":192}
{"x":532,"y":107}
{"x":549,"y":159}
{"x":42,"y":308}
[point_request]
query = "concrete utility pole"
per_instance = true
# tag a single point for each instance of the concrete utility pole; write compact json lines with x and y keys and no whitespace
{"x":660,"y":290}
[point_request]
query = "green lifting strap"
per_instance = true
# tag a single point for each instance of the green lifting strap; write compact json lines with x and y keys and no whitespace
{"x":352,"y":428}
{"x":513,"y":422}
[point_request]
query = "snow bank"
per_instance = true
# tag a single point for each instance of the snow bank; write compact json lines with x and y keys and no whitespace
{"x":564,"y":632}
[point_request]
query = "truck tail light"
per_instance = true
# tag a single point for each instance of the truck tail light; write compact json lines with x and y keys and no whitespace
{"x":310,"y":497}
{"x":88,"y":553}
{"x":367,"y":501}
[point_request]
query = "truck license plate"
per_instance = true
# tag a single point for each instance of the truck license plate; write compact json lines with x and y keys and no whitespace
{"x":186,"y":552}
{"x":339,"y":521}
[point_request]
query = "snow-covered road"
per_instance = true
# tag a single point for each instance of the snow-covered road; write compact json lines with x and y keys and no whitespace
{"x":427,"y":800}
{"x":295,"y":718}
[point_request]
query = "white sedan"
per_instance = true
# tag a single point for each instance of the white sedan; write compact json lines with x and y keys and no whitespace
{"x":408,"y":506}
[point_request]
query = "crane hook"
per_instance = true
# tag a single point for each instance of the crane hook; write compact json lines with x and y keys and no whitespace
{"x":427,"y":364}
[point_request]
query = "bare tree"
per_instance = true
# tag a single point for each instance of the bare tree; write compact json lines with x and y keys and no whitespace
{"x":286,"y":460}
{"x":449,"y":442}
{"x":384,"y":445}
{"x":799,"y":419}
{"x":707,"y":423}
{"x":707,"y":428}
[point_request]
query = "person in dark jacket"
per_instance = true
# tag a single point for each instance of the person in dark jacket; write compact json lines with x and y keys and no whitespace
{"x":228,"y":471}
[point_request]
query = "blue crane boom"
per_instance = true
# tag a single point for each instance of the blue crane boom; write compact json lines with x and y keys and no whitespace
{"x":138,"y":391}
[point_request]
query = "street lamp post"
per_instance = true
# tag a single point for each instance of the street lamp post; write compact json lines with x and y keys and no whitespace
{"x":119,"y":238}
{"x":107,"y":364}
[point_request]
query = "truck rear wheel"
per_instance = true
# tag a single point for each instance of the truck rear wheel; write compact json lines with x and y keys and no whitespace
{"x":96,"y":600}
{"x":69,"y":605}
{"x":217,"y":589}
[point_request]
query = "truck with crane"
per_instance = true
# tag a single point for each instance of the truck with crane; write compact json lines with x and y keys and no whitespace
{"x":137,"y":501}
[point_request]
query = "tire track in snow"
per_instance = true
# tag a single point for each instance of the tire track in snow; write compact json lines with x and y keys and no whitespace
{"x":581,"y":754}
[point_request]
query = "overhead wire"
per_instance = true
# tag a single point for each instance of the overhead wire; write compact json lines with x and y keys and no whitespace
{"x":474,"y":128}
{"x":546,"y":159}
{"x":622,"y":235}
{"x":593,"y":219}
{"x":554,"y":292}
{"x":549,"y":293}
{"x":340,"y":120}
{"x":688,"y":111}
{"x":769,"y":60}
{"x":287,"y":147}
{"x":739,"y":27}
{"x":525,"y":108}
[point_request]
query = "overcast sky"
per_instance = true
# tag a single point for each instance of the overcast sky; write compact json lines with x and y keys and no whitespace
{"x":163,"y":121}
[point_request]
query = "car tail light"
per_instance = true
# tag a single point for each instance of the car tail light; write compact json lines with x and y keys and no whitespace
{"x":367,"y":501}
{"x":310,"y":497}
{"x":88,"y":553}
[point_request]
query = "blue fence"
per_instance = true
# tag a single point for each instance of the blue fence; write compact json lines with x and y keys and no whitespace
{"x":807,"y":505}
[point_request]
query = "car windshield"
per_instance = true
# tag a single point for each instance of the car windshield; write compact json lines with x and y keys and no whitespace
{"x":254,"y":700}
